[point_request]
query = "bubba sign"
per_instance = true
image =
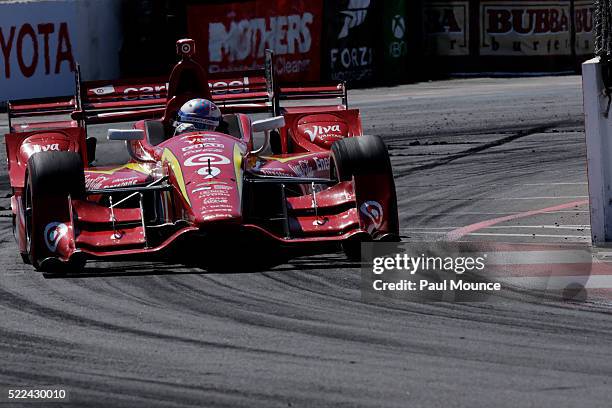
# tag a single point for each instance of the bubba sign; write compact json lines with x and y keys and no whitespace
{"x":533,"y":28}
{"x":584,"y":10}
{"x":36,"y":49}
{"x":237,"y":35}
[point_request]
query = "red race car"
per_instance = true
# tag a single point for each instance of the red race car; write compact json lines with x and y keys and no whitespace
{"x":199,"y":195}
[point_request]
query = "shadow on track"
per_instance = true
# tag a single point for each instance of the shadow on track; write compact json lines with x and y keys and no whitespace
{"x":137,"y":269}
{"x":273,"y":264}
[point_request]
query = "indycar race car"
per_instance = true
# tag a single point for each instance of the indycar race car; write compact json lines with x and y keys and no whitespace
{"x":314,"y":181}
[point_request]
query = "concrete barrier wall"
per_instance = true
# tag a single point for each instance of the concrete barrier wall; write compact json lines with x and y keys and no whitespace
{"x":42,"y":41}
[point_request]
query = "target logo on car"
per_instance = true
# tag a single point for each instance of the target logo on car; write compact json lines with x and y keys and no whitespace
{"x":208,"y":162}
{"x":186,"y":47}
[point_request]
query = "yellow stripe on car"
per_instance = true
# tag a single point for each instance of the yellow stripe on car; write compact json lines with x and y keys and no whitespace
{"x":238,"y":168}
{"x":175,"y":166}
{"x":130,"y":166}
{"x":287,"y":159}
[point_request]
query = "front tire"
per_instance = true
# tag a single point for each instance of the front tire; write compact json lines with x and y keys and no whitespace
{"x":51,"y":177}
{"x":362,"y":156}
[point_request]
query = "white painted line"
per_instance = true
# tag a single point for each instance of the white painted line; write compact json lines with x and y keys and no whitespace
{"x":492,"y":234}
{"x":580,"y":237}
{"x":560,"y":282}
{"x":497,"y":213}
{"x":458,"y":185}
{"x":540,"y":198}
{"x":557,"y":184}
{"x":569,"y":227}
{"x":551,"y":258}
{"x":505,"y":198}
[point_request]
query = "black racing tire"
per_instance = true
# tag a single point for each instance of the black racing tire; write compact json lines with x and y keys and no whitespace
{"x":360,"y":155}
{"x":352,"y":250}
{"x":50,"y":177}
{"x":56,"y":173}
{"x":26,"y":259}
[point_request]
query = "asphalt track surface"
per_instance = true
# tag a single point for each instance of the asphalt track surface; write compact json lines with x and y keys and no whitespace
{"x":464,"y":152}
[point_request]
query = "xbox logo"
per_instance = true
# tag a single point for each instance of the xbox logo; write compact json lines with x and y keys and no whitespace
{"x":398,"y":26}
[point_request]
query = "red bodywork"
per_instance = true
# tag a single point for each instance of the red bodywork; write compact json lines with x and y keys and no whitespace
{"x":199,"y":185}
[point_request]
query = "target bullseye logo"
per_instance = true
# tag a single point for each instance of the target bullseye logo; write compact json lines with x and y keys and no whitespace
{"x":208,"y":162}
{"x":185,"y":47}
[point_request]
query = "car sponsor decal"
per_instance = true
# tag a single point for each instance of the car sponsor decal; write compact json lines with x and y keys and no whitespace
{"x":207,"y":162}
{"x":96,"y":182}
{"x":213,"y":188}
{"x":45,"y":148}
{"x":145,"y":92}
{"x":54,"y":232}
{"x":204,"y":188}
{"x":104,"y":90}
{"x":324,"y":132}
{"x":322,"y":163}
{"x":302,"y":169}
{"x":374,"y":211}
{"x":232,"y":87}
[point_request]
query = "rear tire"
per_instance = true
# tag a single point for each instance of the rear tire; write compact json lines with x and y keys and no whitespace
{"x":51,"y":177}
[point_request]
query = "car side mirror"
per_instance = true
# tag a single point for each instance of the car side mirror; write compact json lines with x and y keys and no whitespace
{"x":125,"y":134}
{"x":266,"y":126}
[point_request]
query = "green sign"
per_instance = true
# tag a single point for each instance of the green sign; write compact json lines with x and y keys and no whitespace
{"x":395,"y":39}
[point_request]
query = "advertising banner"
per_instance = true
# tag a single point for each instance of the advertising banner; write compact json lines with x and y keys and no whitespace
{"x":525,"y":28}
{"x":395,"y":37}
{"x":234,"y":36}
{"x":585,"y":41}
{"x":447,"y":30}
{"x":37,"y":44}
{"x":350,"y":39}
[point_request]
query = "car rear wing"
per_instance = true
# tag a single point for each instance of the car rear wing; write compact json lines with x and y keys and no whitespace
{"x":280,"y":93}
{"x":105,"y":101}
{"x":51,"y":107}
{"x":96,"y":102}
{"x":32,"y":108}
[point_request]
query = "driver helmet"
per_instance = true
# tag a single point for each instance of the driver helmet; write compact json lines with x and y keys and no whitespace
{"x":201,"y":113}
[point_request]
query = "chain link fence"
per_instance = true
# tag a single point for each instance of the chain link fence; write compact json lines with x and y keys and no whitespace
{"x":603,"y":29}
